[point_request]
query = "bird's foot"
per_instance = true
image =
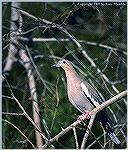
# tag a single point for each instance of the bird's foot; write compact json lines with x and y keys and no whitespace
{"x":86,"y":114}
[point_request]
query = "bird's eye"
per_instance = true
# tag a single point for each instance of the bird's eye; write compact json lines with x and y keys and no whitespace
{"x":64,"y":62}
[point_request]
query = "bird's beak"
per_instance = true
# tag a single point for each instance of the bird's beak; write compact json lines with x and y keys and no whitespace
{"x":56,"y":65}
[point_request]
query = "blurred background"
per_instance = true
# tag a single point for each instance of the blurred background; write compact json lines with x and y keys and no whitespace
{"x":91,"y":35}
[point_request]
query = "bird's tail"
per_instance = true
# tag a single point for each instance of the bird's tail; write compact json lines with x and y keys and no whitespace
{"x":108,"y":128}
{"x":114,"y":138}
{"x":107,"y":125}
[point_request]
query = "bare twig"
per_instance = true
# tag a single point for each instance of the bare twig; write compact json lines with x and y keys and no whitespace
{"x":89,"y":146}
{"x":70,"y":37}
{"x":107,"y":60}
{"x":57,"y":103}
{"x":37,"y":71}
{"x":75,"y":136}
{"x":13,"y":114}
{"x":33,"y":17}
{"x":25,"y":113}
{"x":76,"y":42}
{"x":19,"y":132}
{"x":94,"y":111}
{"x":67,"y":40}
{"x":87,"y":131}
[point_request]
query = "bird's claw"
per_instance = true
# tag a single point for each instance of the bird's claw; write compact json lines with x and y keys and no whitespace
{"x":85,"y":115}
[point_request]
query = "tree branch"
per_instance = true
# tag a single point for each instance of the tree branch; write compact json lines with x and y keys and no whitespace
{"x":88,"y":131}
{"x":14,"y":28}
{"x":31,"y":81}
{"x":24,"y":112}
{"x":76,"y":139}
{"x":94,"y":111}
{"x":19,"y":132}
{"x":76,"y":42}
{"x":67,"y":40}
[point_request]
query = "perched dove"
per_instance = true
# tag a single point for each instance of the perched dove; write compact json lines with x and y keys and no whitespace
{"x":84,"y":97}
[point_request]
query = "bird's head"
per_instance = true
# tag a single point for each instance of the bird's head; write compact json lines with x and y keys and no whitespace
{"x":65,"y":64}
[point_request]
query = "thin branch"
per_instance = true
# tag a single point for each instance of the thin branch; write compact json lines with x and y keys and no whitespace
{"x":13,"y":114}
{"x":33,"y":17}
{"x":75,"y":136}
{"x":76,"y":42}
{"x":67,"y":40}
{"x":93,"y":136}
{"x":70,"y":37}
{"x":19,"y":132}
{"x":57,"y":103}
{"x":87,"y":131}
{"x":89,"y":146}
{"x":24,"y":112}
{"x":94,"y":111}
{"x":37,"y":71}
{"x":106,"y":62}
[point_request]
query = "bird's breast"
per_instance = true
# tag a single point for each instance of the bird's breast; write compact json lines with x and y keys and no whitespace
{"x":77,"y":97}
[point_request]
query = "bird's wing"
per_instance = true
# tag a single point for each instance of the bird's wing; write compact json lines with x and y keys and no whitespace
{"x":102,"y":117}
{"x":91,"y":94}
